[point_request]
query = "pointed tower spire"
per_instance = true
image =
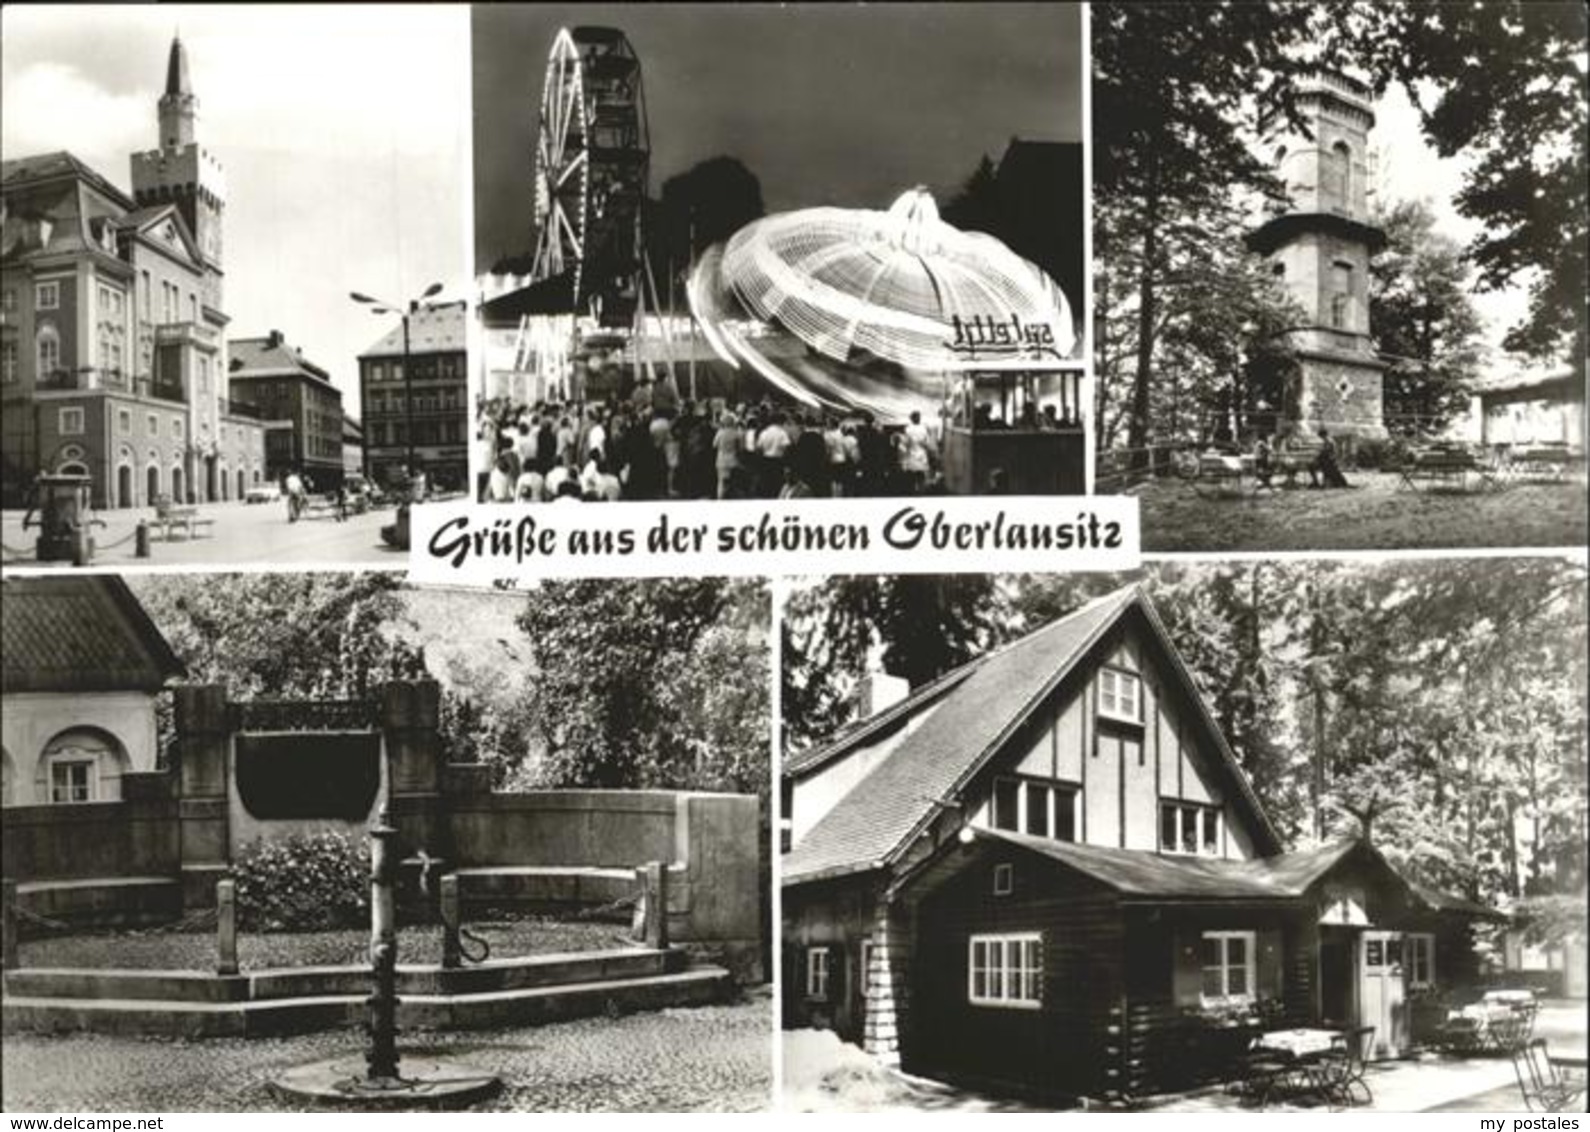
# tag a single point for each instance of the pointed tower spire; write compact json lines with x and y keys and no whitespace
{"x":177,"y":68}
{"x":179,"y":109}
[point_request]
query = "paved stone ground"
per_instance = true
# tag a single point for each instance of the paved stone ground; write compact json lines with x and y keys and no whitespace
{"x":1377,"y":512}
{"x":708,"y":1059}
{"x":241,"y":534}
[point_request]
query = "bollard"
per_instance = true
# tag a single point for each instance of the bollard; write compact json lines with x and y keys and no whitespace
{"x":382,"y":1057}
{"x":452,"y":955}
{"x":141,"y":539}
{"x":82,"y":547}
{"x":226,"y":927}
{"x":656,"y":889}
{"x":8,"y":926}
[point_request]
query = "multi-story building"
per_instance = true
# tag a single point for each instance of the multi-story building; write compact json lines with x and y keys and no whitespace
{"x":112,"y":346}
{"x":352,"y":446}
{"x":301,"y":407}
{"x":435,"y":381}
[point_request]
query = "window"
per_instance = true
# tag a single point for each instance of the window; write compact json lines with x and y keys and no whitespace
{"x":176,"y":429}
{"x":70,"y":422}
{"x":1005,"y":970}
{"x":1032,"y":806}
{"x":1120,"y":695}
{"x":72,"y":781}
{"x":47,"y":296}
{"x":1227,"y":965}
{"x":1004,"y":879}
{"x":1342,"y":296}
{"x":153,"y":424}
{"x":49,"y":351}
{"x":866,"y":968}
{"x":8,"y":361}
{"x":1420,"y":966}
{"x":817,"y":972}
{"x":124,"y":422}
{"x":1187,"y":827}
{"x":8,"y":302}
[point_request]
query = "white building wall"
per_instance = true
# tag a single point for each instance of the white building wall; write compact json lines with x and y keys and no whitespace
{"x":29,"y":720}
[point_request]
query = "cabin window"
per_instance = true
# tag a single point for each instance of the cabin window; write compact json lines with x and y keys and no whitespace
{"x":1227,"y":965}
{"x":1004,"y":879}
{"x":1120,"y":695}
{"x":1037,"y":808}
{"x":1420,"y":966}
{"x":817,"y":972}
{"x":866,"y":968}
{"x":72,"y":780}
{"x":1005,"y":970}
{"x":1186,"y":827}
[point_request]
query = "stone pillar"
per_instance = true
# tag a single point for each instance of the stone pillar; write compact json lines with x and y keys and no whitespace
{"x":410,"y":721}
{"x":9,"y":935}
{"x":203,"y":751}
{"x":452,"y":921}
{"x":226,"y":927}
{"x":652,"y":879}
{"x":888,"y":1000}
{"x":719,"y":839}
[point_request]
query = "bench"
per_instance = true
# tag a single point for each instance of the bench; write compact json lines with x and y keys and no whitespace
{"x":171,"y":518}
{"x":1294,"y":455}
{"x":1214,"y":470}
{"x":1447,"y":465}
{"x":1543,"y":462}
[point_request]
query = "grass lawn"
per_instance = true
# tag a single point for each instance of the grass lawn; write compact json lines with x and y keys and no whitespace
{"x":164,"y":949}
{"x":1378,"y":512}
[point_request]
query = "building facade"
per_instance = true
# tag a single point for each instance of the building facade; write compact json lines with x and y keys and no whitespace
{"x":1045,"y":872}
{"x":436,"y":382}
{"x":301,"y":407}
{"x":112,"y":349}
{"x":83,"y":666}
{"x":1318,"y":247}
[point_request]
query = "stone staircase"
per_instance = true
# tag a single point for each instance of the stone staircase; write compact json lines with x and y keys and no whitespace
{"x":501,"y":992}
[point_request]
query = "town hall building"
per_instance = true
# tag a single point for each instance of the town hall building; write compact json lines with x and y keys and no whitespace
{"x":113,"y":360}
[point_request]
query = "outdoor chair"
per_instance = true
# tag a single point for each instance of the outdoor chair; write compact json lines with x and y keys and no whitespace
{"x":1542,"y":1081}
{"x":1345,"y":1066}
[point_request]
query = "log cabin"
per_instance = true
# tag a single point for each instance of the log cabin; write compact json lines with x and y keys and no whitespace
{"x":1045,"y":873}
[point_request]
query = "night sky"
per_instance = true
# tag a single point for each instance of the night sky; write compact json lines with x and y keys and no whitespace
{"x":827,"y":104}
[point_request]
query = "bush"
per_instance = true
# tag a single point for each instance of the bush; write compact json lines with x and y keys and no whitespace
{"x":311,"y":882}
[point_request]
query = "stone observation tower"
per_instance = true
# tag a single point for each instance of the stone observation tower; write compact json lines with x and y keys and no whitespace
{"x":184,"y":173}
{"x":1318,"y":246}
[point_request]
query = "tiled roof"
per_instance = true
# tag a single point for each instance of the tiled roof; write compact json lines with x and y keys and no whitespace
{"x":271,"y":356}
{"x":804,"y":762}
{"x":436,"y":329}
{"x":1135,"y":872}
{"x":886,"y":807}
{"x":85,"y":634}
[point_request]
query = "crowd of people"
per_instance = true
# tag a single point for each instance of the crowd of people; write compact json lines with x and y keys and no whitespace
{"x":635,"y":449}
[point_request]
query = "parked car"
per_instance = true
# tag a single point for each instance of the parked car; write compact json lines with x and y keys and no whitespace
{"x":267,"y":492}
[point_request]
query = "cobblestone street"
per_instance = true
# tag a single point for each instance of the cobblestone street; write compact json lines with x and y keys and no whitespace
{"x":714,"y":1058}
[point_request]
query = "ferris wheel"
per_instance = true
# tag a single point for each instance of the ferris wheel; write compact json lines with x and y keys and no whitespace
{"x":592,"y":160}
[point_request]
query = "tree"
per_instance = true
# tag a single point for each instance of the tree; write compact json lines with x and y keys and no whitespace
{"x":704,"y":205}
{"x":648,"y":684}
{"x":1423,"y":320}
{"x":975,"y":208}
{"x":1173,"y":99}
{"x":1505,"y":84}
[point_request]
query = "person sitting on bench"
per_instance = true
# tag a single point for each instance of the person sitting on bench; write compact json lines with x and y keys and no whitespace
{"x":1325,"y":466}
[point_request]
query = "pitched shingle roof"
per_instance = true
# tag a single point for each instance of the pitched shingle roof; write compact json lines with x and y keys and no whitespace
{"x":271,"y":356}
{"x":886,"y":806}
{"x":435,"y":329}
{"x":1133,"y":872}
{"x":85,"y":634}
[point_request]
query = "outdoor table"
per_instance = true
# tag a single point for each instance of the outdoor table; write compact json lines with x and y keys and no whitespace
{"x":1302,"y":1053}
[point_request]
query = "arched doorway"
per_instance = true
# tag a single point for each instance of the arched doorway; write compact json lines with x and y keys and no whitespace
{"x":152,"y":484}
{"x":176,"y":485}
{"x":83,"y":764}
{"x":226,"y":485}
{"x":124,"y":486}
{"x":242,"y":484}
{"x":211,"y":491}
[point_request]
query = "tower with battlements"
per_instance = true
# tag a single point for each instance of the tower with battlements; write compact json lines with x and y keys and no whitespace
{"x":1318,"y":245}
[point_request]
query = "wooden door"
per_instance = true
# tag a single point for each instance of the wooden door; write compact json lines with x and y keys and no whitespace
{"x":1381,"y":991}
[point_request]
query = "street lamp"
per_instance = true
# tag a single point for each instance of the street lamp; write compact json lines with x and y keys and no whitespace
{"x":381,"y":306}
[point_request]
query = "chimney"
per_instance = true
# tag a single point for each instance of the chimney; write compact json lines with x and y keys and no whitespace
{"x":878,"y":691}
{"x":273,"y":339}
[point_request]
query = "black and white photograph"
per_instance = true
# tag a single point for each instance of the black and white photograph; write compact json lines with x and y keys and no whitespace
{"x":1209,"y":838}
{"x":1339,"y":274}
{"x":281,"y":842}
{"x":233,"y":264}
{"x":764,"y":251}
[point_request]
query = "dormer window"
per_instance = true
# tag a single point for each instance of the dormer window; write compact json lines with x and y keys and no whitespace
{"x":1120,"y":695}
